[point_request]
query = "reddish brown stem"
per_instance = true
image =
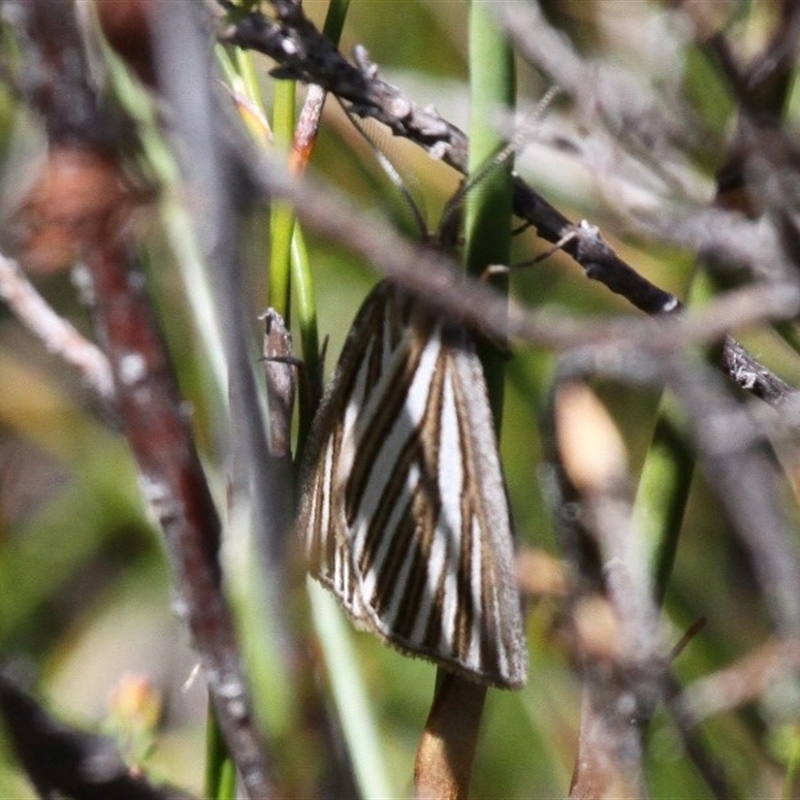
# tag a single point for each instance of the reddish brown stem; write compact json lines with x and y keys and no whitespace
{"x":159,"y":434}
{"x":447,"y":749}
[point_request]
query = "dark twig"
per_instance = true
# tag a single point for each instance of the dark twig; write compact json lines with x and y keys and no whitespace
{"x":373,"y":97}
{"x":694,"y":742}
{"x":762,"y":86}
{"x":435,"y":279}
{"x":305,"y":54}
{"x":295,"y":44}
{"x":62,"y":761}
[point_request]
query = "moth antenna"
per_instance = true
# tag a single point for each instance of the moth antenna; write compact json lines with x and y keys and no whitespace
{"x":497,"y":160}
{"x":391,"y":172}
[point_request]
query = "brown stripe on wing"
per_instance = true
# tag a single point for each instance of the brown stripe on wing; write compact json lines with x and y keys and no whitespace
{"x":404,"y":537}
{"x":417,"y":586}
{"x":491,"y":633}
{"x":426,"y":510}
{"x":404,"y":568}
{"x":467,"y":613}
{"x":470,"y":499}
{"x":377,"y":326}
{"x":502,"y":651}
{"x":395,"y":384}
{"x":396,"y":491}
{"x":389,"y":582}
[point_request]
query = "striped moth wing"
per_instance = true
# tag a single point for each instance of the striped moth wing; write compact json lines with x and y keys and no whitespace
{"x":403,"y":509}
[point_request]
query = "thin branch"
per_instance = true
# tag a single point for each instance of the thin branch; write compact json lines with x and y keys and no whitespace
{"x":744,"y":681}
{"x":305,"y":136}
{"x":732,"y":452}
{"x":173,"y":481}
{"x":615,"y":623}
{"x":436,"y":280}
{"x":747,"y":481}
{"x":304,"y":54}
{"x":641,"y":125}
{"x":59,"y":336}
{"x":612,"y":622}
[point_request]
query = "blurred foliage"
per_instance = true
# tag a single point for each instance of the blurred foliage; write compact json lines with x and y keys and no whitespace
{"x":84,"y":591}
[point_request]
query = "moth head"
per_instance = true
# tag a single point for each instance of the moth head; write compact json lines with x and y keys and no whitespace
{"x":448,"y":232}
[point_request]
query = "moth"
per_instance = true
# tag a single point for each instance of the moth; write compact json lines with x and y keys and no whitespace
{"x":403,"y":510}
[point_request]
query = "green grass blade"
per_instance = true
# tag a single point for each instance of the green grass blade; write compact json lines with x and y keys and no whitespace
{"x":488,"y":219}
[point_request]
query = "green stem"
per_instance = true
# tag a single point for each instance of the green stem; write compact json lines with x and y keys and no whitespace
{"x":220,"y":778}
{"x":662,"y":495}
{"x":666,"y":477}
{"x":791,"y":782}
{"x":334,"y":20}
{"x":350,"y":696}
{"x":310,"y":388}
{"x":488,"y":221}
{"x":282,"y":215}
{"x":447,"y":749}
{"x":247,"y":73}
